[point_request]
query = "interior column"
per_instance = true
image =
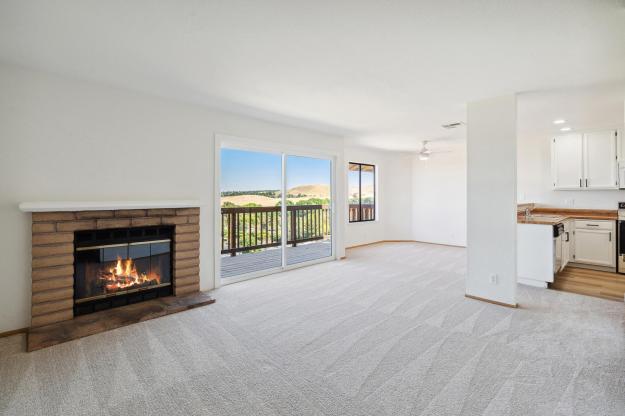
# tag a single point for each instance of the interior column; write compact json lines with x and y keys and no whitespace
{"x":491,"y":200}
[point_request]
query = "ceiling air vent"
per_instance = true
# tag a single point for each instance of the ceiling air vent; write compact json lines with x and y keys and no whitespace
{"x":453,"y":125}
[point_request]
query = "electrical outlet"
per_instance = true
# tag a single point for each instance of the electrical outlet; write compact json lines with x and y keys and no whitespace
{"x":493,"y":279}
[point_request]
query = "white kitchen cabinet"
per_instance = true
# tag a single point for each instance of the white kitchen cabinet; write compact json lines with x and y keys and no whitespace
{"x":595,"y":243}
{"x":566,"y":161}
{"x":584,"y":161}
{"x":537,"y":253}
{"x":600,"y":168}
{"x":567,"y":242}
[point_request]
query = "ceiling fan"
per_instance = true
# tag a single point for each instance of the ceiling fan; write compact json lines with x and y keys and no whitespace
{"x":425,"y":153}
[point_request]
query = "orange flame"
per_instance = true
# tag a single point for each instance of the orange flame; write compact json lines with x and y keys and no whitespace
{"x":124,"y":275}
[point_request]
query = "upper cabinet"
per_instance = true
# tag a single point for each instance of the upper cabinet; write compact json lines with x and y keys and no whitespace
{"x":600,"y":168}
{"x":584,"y":161}
{"x":566,"y":161}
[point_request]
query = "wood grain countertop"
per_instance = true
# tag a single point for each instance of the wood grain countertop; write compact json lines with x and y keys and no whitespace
{"x":574,"y":213}
{"x":554,"y":215}
{"x":540,"y":219}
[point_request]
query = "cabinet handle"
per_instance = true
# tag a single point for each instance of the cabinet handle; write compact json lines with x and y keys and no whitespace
{"x":586,"y":183}
{"x":610,"y":236}
{"x":580,"y":182}
{"x":567,"y":236}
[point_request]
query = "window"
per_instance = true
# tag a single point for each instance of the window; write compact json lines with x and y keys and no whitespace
{"x":361,"y":185}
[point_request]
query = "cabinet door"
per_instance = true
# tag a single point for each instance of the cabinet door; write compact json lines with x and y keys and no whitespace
{"x":566,"y":161}
{"x":594,"y":247}
{"x":558,"y":249}
{"x":600,"y":160}
{"x":566,"y":245}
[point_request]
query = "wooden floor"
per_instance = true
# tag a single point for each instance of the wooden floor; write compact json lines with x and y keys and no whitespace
{"x":596,"y":283}
{"x":267,"y":259}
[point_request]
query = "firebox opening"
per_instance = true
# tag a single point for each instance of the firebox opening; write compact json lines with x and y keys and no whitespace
{"x":121,"y":266}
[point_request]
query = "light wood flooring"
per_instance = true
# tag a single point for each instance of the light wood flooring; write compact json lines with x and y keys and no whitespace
{"x":596,"y":283}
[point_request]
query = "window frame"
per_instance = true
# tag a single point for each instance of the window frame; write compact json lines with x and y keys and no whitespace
{"x":375,"y":191}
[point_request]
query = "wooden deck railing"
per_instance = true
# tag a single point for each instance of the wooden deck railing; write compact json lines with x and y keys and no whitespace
{"x":252,"y":228}
{"x":368,"y":212}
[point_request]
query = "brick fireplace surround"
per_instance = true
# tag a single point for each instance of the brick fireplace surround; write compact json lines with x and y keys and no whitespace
{"x":53,"y":255}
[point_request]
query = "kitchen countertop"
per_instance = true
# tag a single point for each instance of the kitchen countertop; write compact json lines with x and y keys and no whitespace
{"x":551,"y":216}
{"x":541,"y":219}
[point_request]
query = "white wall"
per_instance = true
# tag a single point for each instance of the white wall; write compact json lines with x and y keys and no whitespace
{"x":62,"y":139}
{"x":535,"y":182}
{"x":394,"y":185}
{"x":491,"y":202}
{"x":439,"y":196}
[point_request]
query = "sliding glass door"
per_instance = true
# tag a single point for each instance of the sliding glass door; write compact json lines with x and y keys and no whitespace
{"x":309,"y":216}
{"x":275,"y":212}
{"x":251,"y":217}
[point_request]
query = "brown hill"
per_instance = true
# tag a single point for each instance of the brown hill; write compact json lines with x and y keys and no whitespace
{"x":317,"y":191}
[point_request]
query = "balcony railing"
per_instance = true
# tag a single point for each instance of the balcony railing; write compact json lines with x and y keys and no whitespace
{"x":253,"y":228}
{"x":368,"y":212}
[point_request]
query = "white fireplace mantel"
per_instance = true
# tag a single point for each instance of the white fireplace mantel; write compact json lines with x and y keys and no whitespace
{"x":103,"y":205}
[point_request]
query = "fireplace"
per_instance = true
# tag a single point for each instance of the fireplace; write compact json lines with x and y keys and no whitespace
{"x":117,"y":267}
{"x":93,"y":256}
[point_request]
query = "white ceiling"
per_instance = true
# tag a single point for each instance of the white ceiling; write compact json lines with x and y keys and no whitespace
{"x":599,"y":106}
{"x":386,"y":74}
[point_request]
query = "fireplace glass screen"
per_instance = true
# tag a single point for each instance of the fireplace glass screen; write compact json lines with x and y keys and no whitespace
{"x":117,"y":267}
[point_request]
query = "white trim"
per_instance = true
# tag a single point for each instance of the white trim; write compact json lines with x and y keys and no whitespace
{"x":103,"y":205}
{"x":334,"y":166}
{"x":217,"y":213}
{"x":283,"y":212}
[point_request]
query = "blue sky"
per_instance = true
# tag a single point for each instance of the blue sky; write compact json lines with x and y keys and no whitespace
{"x":248,"y":171}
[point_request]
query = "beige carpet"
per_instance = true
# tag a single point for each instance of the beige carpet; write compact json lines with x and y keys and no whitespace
{"x":387,"y":332}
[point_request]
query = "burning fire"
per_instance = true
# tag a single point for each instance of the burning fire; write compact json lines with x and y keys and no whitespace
{"x":124,"y":275}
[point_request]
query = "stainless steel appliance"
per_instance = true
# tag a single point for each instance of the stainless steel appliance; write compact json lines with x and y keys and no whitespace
{"x":620,"y":246}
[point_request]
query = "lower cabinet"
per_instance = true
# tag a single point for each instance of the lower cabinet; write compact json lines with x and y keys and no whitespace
{"x":595,"y":243}
{"x":566,"y":241}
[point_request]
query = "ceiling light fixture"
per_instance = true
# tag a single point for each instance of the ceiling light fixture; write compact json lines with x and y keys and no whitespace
{"x":424,"y":153}
{"x":565,"y":129}
{"x":559,"y":121}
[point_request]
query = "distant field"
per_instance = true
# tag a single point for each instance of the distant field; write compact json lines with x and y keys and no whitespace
{"x":250,"y":199}
{"x":304,"y":192}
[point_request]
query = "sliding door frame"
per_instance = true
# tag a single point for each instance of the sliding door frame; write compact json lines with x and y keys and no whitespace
{"x":285,"y":150}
